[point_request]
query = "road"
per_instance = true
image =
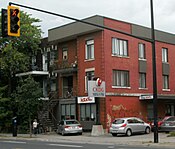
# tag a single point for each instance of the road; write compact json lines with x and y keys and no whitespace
{"x":26,"y":144}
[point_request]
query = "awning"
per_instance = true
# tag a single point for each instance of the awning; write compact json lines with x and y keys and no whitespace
{"x":38,"y":73}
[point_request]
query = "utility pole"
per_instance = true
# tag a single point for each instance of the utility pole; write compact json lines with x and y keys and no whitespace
{"x":154,"y":75}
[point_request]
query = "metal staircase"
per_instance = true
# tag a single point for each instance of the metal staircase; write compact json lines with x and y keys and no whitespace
{"x":45,"y":115}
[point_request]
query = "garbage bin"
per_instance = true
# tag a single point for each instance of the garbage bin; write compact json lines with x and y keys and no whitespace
{"x":14,"y":126}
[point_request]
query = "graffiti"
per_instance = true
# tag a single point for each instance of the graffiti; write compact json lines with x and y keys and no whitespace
{"x":117,"y":111}
{"x":109,"y":120}
{"x":118,"y":107}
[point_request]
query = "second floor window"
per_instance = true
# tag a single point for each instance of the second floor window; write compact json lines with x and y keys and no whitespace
{"x":165,"y":82}
{"x":89,"y":50}
{"x":142,"y":80}
{"x":164,"y":55}
{"x":65,"y":53}
{"x":89,"y":76}
{"x":120,"y":78}
{"x":119,"y":47}
{"x":142,"y":51}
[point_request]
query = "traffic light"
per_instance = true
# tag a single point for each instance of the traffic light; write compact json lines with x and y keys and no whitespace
{"x":13,"y":21}
{"x":4,"y":28}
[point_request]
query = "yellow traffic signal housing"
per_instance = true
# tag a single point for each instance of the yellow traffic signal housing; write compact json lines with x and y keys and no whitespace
{"x":13,"y":21}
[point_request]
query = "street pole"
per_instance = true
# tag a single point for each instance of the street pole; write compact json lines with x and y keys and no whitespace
{"x":154,"y":75}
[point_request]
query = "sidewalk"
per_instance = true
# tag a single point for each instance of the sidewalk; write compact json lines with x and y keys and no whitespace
{"x":144,"y":140}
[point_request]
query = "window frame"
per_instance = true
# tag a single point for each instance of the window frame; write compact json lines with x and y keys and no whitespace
{"x":141,"y":50}
{"x":165,"y":55}
{"x":165,"y":82}
{"x":142,"y":78}
{"x":91,"y":77}
{"x":65,"y":53}
{"x":123,"y":76}
{"x":89,"y":50}
{"x":120,"y":47}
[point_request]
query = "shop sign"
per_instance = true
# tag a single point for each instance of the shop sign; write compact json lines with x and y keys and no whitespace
{"x":96,"y":88}
{"x":86,"y":99}
{"x":146,"y":97}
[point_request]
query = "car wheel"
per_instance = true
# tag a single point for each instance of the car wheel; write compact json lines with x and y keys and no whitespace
{"x":129,"y":132}
{"x":80,"y":133}
{"x":114,"y":134}
{"x":147,"y":130}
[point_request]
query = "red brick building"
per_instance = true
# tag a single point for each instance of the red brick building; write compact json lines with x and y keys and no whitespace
{"x":125,"y":64}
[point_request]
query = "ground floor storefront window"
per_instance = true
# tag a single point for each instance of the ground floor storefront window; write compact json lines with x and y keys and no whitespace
{"x":88,"y":112}
{"x":68,"y":111}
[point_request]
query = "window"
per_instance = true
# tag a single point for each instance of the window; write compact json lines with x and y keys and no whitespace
{"x":89,"y":50}
{"x":142,"y":80}
{"x":165,"y":82}
{"x":45,"y":61}
{"x":89,"y":76}
{"x":53,"y":56}
{"x":164,"y":55}
{"x":142,"y":51}
{"x":119,"y":47}
{"x":68,"y":111}
{"x":65,"y":53}
{"x":120,"y":78}
{"x":88,"y":112}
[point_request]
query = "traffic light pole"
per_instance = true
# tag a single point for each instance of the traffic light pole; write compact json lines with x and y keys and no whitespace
{"x":152,"y":41}
{"x":82,"y":21}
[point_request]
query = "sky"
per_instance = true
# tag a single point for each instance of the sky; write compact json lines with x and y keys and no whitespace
{"x":132,"y":11}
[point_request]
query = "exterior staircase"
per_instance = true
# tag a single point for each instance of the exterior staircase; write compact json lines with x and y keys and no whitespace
{"x":47,"y":120}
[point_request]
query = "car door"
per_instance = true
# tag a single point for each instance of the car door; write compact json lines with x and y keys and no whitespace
{"x":132,"y":125}
{"x":140,"y":125}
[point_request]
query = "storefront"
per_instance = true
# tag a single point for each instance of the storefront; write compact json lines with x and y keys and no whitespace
{"x":87,"y":112}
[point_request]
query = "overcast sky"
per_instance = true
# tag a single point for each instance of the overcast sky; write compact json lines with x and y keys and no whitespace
{"x":133,"y":11}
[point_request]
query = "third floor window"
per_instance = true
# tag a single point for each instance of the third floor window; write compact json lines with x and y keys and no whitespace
{"x":142,"y":51}
{"x":119,"y":47}
{"x":89,"y":50}
{"x":164,"y":55}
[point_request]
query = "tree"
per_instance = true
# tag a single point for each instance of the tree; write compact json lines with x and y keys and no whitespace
{"x":26,"y":98}
{"x":15,"y":55}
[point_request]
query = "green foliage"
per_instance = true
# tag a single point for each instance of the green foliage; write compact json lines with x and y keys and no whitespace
{"x":15,"y":54}
{"x":5,"y":110}
{"x":27,"y":101}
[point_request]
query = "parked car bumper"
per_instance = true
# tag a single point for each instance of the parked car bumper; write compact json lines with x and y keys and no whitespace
{"x":117,"y":131}
{"x":167,"y":129}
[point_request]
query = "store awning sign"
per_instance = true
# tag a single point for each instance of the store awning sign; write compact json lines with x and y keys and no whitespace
{"x":146,"y":97}
{"x":86,"y":100}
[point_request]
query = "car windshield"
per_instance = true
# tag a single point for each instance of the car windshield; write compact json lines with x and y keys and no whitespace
{"x":71,"y":122}
{"x":118,"y":121}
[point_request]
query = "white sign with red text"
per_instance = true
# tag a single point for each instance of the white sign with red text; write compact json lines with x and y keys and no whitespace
{"x":96,"y":88}
{"x":86,"y":99}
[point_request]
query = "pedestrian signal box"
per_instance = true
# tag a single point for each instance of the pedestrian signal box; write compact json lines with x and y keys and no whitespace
{"x":13,"y":21}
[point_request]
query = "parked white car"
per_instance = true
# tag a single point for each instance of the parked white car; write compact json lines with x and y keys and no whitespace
{"x":69,"y":127}
{"x":129,"y":126}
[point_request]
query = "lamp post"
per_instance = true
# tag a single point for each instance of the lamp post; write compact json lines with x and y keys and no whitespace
{"x":154,"y":75}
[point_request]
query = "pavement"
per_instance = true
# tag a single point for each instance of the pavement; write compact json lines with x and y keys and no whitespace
{"x":136,"y":140}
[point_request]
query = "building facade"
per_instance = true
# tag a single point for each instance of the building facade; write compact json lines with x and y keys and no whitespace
{"x":123,"y":62}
